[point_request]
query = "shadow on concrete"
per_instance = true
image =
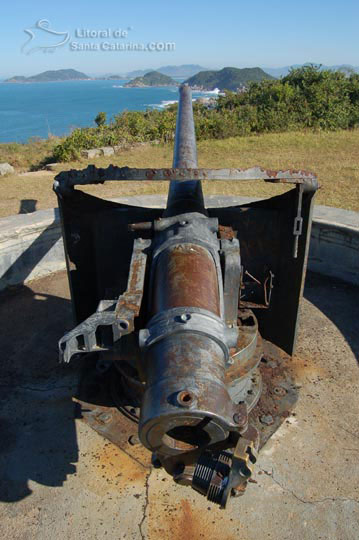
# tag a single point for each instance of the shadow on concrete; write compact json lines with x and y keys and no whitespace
{"x":38,"y":440}
{"x":339,"y":301}
{"x":22,"y":267}
{"x":27,"y":206}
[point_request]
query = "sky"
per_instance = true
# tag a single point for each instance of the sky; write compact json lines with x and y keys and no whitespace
{"x":235,"y":33}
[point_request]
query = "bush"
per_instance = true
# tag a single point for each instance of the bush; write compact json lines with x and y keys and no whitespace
{"x":100,"y":119}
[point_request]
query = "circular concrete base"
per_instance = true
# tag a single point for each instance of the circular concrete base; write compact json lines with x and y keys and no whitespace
{"x":60,"y":479}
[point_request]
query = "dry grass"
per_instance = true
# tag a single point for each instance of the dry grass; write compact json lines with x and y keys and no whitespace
{"x":29,"y":155}
{"x":333,"y":156}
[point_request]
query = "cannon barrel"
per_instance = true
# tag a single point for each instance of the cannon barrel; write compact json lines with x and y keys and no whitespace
{"x":185,"y":196}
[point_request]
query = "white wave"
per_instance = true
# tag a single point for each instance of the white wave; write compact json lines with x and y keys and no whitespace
{"x":215,"y":91}
{"x":117,"y":86}
{"x":163,"y":104}
{"x":169,"y":102}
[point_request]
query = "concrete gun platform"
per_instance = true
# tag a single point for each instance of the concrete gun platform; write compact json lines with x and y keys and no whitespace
{"x":60,"y":479}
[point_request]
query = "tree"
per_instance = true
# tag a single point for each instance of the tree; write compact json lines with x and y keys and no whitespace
{"x":101,"y":119}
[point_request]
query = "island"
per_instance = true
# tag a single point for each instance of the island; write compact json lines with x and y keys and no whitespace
{"x":153,"y":78}
{"x":51,"y":76}
{"x":228,"y":78}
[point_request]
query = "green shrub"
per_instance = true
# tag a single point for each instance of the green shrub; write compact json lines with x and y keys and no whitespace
{"x":100,"y":119}
{"x":307,"y":97}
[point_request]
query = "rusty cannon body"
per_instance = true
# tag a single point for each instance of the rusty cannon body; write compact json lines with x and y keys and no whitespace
{"x":174,"y":309}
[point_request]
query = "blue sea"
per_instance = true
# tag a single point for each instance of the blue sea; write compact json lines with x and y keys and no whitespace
{"x":39,"y":109}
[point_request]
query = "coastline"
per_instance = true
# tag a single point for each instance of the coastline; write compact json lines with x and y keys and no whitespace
{"x":39,"y":110}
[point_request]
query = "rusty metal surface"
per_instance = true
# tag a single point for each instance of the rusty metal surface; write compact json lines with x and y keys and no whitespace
{"x":66,"y":180}
{"x":265,"y":232}
{"x":113,"y":318}
{"x":106,"y":409}
{"x":90,"y":237}
{"x":195,"y":364}
{"x":129,"y":304}
{"x":279,"y":395}
{"x":186,"y":275}
{"x":58,"y":475}
{"x":112,"y":415}
{"x":251,"y":342}
{"x":190,"y":410}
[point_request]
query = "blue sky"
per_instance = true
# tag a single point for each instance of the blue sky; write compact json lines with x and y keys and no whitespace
{"x":214,"y":34}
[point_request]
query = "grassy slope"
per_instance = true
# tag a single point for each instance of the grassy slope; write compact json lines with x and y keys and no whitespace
{"x":333,"y":156}
{"x":25,"y":156}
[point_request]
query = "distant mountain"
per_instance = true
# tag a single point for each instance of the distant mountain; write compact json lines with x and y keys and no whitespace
{"x":186,"y":70}
{"x":228,"y":78}
{"x":138,"y":73}
{"x":153,"y":78}
{"x":283,"y":71}
{"x":50,"y":76}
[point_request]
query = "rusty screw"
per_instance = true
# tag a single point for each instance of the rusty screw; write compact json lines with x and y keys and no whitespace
{"x":239,"y":418}
{"x":267,"y":420}
{"x":104,"y":417}
{"x":133,"y":440}
{"x":279,"y":391}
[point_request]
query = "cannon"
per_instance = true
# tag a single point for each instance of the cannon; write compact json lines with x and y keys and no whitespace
{"x":175,"y":310}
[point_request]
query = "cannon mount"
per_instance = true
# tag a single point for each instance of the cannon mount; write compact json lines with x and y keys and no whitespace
{"x":178,"y":312}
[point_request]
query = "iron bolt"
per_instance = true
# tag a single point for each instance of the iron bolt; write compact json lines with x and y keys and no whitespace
{"x":133,"y":440}
{"x":239,"y":418}
{"x":279,"y":391}
{"x":267,"y":420}
{"x":104,"y":417}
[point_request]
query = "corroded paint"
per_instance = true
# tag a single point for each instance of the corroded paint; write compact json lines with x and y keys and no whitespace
{"x":186,"y":275}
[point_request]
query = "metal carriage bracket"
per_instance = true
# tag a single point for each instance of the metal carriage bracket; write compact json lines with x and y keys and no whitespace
{"x":66,"y":180}
{"x":268,"y":230}
{"x":304,"y":181}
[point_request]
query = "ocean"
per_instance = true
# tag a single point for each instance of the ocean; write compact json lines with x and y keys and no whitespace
{"x":39,"y":109}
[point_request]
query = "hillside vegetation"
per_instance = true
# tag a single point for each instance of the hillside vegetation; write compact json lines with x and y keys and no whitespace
{"x":153,"y":78}
{"x":50,"y":76}
{"x":307,"y":98}
{"x":228,"y":78}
